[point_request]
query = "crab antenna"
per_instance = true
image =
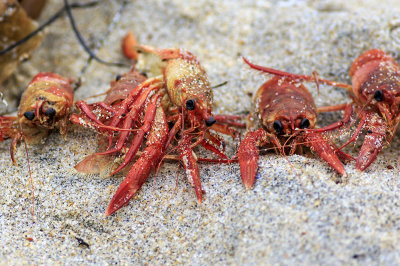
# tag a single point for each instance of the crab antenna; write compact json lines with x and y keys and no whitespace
{"x":30,"y":175}
{"x":219,"y":85}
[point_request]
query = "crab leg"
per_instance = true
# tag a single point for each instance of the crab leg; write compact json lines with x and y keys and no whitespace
{"x":123,"y":108}
{"x":231,"y":120}
{"x":347,"y":115}
{"x":138,"y":139}
{"x":214,"y":139}
{"x":104,"y":106}
{"x":373,"y":142}
{"x":132,"y":96}
{"x":17,"y":137}
{"x":86,"y":109}
{"x":224,"y":129}
{"x":213,"y":149}
{"x":173,"y":132}
{"x":297,"y":77}
{"x":189,"y":161}
{"x":142,"y":168}
{"x":130,"y":117}
{"x":118,"y":114}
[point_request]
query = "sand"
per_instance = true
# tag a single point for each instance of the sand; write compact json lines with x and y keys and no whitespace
{"x":294,"y":215}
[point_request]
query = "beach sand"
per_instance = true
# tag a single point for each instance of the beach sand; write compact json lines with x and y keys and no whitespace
{"x":297,"y":213}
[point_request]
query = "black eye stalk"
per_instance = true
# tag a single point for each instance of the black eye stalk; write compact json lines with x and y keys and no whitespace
{"x":190,"y":105}
{"x":50,"y":112}
{"x":118,"y":77}
{"x":305,"y":123}
{"x":378,"y":96}
{"x":278,"y":126}
{"x":29,"y":115}
{"x":210,"y":121}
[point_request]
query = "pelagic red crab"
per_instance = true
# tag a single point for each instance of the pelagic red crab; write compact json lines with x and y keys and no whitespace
{"x":284,"y":111}
{"x":175,"y":106}
{"x":45,"y":105}
{"x":375,"y":94}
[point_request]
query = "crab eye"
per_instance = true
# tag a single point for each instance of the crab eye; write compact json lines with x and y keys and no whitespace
{"x":278,"y":126}
{"x":378,"y":95}
{"x":190,"y":104}
{"x":50,"y":112}
{"x":118,"y":77}
{"x":29,"y":115}
{"x":210,"y":121}
{"x":305,"y":123}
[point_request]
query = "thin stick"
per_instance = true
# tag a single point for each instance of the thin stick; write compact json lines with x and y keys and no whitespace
{"x":82,"y":41}
{"x":115,"y":20}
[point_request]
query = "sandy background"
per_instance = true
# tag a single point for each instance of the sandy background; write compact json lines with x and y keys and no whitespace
{"x":293,"y":215}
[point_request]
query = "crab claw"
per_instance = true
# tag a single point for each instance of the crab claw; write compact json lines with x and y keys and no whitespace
{"x":321,"y":146}
{"x":136,"y":177}
{"x":248,"y":156}
{"x":373,"y":142}
{"x":129,"y":44}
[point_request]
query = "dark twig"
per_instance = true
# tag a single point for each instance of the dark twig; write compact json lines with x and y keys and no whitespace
{"x":82,"y":41}
{"x":114,"y":21}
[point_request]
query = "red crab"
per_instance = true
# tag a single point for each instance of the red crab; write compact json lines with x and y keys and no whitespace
{"x":174,"y":105}
{"x":284,"y":111}
{"x":375,"y":94}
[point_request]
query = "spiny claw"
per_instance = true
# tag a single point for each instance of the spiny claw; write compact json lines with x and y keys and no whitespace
{"x":248,"y":156}
{"x":372,"y":145}
{"x":321,"y":146}
{"x":136,"y":177}
{"x":374,"y":140}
